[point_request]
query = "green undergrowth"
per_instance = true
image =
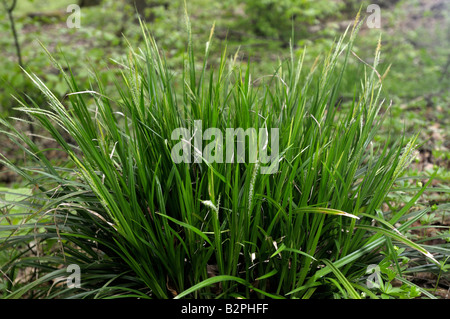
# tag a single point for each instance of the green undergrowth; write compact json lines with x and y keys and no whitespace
{"x":140,"y":225}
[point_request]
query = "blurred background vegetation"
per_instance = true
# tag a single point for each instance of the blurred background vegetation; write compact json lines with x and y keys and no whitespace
{"x":414,"y":33}
{"x":415,"y":64}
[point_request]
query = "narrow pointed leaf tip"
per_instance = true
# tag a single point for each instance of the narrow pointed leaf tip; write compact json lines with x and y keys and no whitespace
{"x":322,"y":210}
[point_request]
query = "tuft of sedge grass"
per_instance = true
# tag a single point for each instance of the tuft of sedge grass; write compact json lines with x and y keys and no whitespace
{"x":139,"y":225}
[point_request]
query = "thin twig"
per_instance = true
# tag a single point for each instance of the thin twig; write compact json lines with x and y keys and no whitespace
{"x":10,"y":10}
